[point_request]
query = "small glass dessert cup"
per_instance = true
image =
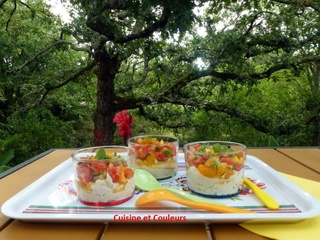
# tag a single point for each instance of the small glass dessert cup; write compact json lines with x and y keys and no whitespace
{"x":156,"y":154}
{"x":104,"y":175}
{"x":215,"y":168}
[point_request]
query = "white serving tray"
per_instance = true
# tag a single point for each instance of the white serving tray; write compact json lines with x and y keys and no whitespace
{"x":53,"y":198}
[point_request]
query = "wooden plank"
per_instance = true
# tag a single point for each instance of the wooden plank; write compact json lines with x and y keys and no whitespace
{"x":15,"y":182}
{"x":285,"y":164}
{"x":163,"y":231}
{"x":309,"y":157}
{"x":19,"y":230}
{"x":232,"y":232}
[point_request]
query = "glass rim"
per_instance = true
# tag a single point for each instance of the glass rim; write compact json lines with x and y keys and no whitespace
{"x":211,"y":143}
{"x":158,"y":137}
{"x":129,"y":149}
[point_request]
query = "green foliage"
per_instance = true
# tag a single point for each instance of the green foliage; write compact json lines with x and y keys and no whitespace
{"x":258,"y":83}
{"x":5,"y":158}
{"x":37,"y":131}
{"x":273,"y":142}
{"x":38,"y":110}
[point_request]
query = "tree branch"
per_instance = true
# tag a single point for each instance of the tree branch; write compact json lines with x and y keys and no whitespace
{"x":46,"y":49}
{"x":97,"y":25}
{"x":49,"y":88}
{"x":312,"y":4}
{"x":164,"y":96}
{"x":3,"y":2}
{"x":11,"y":14}
{"x":148,"y":31}
{"x":160,"y":122}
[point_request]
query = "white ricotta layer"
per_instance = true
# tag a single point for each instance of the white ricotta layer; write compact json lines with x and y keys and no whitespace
{"x":160,"y":169}
{"x":214,"y":186}
{"x":106,"y":190}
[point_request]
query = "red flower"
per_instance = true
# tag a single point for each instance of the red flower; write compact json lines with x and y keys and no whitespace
{"x":124,"y":120}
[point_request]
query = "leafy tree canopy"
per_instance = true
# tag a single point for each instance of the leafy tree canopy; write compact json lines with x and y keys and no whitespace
{"x":250,"y":59}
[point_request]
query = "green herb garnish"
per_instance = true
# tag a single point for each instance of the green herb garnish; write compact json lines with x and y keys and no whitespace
{"x":101,"y":154}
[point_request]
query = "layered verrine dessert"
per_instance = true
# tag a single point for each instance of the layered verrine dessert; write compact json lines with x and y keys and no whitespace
{"x":215,"y":169}
{"x":156,"y":154}
{"x":104,"y":176}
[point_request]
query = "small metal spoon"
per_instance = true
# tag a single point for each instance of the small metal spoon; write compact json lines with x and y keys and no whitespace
{"x":161,"y":194}
{"x":146,"y":182}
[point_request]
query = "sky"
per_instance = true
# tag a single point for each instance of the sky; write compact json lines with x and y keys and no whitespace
{"x":57,"y":8}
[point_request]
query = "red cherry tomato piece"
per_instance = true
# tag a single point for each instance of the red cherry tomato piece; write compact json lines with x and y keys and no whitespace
{"x":115,"y":173}
{"x":84,"y":174}
{"x":99,"y":166}
{"x":128,"y":173}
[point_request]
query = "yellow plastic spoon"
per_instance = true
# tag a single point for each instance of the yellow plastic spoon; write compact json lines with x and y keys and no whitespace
{"x":264,"y":197}
{"x":161,"y":194}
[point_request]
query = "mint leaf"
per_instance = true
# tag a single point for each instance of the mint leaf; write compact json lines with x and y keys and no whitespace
{"x":168,"y":153}
{"x":101,"y":154}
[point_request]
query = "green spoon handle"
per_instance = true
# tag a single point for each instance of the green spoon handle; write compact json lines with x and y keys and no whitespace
{"x":191,"y":197}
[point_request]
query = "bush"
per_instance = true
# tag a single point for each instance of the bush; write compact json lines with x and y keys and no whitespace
{"x":35,"y":132}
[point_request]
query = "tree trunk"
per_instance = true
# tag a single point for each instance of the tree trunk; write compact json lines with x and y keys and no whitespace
{"x":107,"y":68}
{"x":314,"y":82}
{"x":316,"y":134}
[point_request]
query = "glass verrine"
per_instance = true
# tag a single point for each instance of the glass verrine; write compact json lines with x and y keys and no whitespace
{"x":156,"y":154}
{"x":104,"y":175}
{"x":215,"y":168}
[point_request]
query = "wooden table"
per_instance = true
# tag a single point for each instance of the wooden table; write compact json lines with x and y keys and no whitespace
{"x":301,"y":162}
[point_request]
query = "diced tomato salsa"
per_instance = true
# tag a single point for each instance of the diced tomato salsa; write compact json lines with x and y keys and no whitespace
{"x":215,"y":161}
{"x":98,"y":166}
{"x":151,"y":149}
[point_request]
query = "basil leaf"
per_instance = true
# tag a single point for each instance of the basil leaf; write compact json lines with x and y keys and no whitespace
{"x":101,"y":154}
{"x":168,"y":153}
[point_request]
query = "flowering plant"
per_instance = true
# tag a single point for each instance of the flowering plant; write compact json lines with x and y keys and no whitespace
{"x":124,"y":120}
